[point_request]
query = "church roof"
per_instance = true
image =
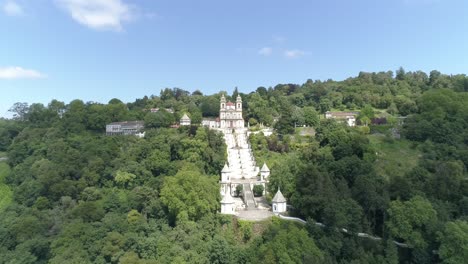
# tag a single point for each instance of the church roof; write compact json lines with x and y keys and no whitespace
{"x":265,"y":168}
{"x":225,"y":169}
{"x":229,"y":103}
{"x":227,"y":199}
{"x":185,"y":117}
{"x":279,"y":198}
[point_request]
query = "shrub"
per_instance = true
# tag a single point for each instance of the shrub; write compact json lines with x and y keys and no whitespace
{"x":239,"y":189}
{"x":258,"y":190}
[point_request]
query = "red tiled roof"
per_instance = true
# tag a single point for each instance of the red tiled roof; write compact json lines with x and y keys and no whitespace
{"x":229,"y":103}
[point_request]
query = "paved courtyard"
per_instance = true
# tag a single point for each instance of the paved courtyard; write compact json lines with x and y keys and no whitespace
{"x":254,"y":214}
{"x":260,"y":213}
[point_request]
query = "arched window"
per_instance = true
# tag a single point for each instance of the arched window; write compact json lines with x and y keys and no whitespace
{"x":222,"y":105}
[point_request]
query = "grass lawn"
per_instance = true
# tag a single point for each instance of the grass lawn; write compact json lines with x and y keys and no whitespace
{"x":395,"y":157}
{"x":5,"y":191}
{"x":2,"y":154}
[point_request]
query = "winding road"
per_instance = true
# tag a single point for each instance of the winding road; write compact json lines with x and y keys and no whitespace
{"x":344,"y":230}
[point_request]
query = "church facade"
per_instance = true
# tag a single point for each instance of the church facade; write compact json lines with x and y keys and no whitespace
{"x":230,"y":114}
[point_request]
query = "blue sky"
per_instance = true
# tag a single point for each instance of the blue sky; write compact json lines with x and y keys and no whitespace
{"x":96,"y":50}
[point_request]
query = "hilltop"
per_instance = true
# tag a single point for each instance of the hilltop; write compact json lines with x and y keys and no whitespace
{"x":71,"y":193}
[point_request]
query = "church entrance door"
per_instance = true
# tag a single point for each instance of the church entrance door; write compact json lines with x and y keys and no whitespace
{"x":230,"y":124}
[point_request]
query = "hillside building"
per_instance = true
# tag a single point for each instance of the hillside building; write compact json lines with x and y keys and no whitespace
{"x":230,"y":115}
{"x":126,"y":128}
{"x":348,"y":117}
{"x":185,"y":120}
{"x":278,"y":203}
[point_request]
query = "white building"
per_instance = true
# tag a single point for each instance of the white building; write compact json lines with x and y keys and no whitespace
{"x":230,"y":114}
{"x":210,"y":122}
{"x":264,"y":172}
{"x":278,"y":202}
{"x":185,"y":120}
{"x":125,"y":128}
{"x":227,"y":203}
{"x":225,"y":179}
{"x":348,"y":117}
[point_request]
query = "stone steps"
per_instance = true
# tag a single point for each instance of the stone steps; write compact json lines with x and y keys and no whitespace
{"x":248,"y":197}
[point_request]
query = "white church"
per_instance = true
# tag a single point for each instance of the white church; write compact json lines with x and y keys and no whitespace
{"x":241,"y":168}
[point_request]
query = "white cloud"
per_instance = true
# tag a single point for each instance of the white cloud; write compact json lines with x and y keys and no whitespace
{"x":293,"y":54}
{"x":266,"y":51}
{"x":19,"y":73}
{"x":11,"y":8}
{"x":98,"y":14}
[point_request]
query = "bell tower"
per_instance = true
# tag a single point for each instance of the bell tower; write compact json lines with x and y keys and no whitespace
{"x":222,"y":102}
{"x":239,"y":103}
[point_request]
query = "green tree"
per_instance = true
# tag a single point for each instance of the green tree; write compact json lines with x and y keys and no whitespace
{"x":5,"y":191}
{"x":366,"y":114}
{"x":196,"y":116}
{"x":235,"y":93}
{"x":454,"y":242}
{"x":210,"y":106}
{"x":221,"y":251}
{"x":298,"y":116}
{"x":20,"y":111}
{"x":311,"y":117}
{"x":191,"y":193}
{"x":89,"y":211}
{"x":400,"y":74}
{"x":258,"y":190}
{"x":286,"y":243}
{"x":258,"y":108}
{"x":162,"y":118}
{"x":74,"y":118}
{"x":285,"y":124}
{"x":325,"y":105}
{"x":412,"y":220}
{"x":239,"y":188}
{"x":134,"y":217}
{"x":124,"y":178}
{"x":112,"y":248}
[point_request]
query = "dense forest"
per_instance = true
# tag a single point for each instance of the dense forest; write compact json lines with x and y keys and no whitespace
{"x":71,"y":194}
